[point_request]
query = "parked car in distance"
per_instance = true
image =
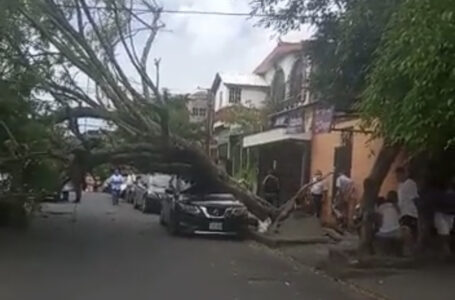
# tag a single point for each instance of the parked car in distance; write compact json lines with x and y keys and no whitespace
{"x":150,"y":191}
{"x":206,"y":212}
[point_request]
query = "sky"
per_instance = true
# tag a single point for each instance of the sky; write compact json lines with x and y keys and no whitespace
{"x":193,"y":48}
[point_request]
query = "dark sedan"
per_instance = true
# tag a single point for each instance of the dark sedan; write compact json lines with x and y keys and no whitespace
{"x":204,"y":213}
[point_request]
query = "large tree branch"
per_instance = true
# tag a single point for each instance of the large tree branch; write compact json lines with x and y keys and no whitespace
{"x":67,"y":113}
{"x":138,"y":65}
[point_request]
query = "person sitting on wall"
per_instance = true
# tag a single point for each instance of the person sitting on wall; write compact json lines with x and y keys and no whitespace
{"x":444,"y":218}
{"x":271,"y":188}
{"x":388,"y":232}
{"x":437,"y":207}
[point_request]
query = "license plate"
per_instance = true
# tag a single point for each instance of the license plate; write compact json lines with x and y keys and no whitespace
{"x":216,"y":226}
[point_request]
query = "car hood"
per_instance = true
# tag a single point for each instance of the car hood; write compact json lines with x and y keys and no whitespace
{"x":158,"y":190}
{"x":228,"y":203}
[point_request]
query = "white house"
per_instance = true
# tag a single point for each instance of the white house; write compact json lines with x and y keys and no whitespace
{"x":249,"y":90}
{"x":285,"y":144}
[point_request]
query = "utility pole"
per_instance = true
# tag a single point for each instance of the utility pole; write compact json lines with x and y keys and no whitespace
{"x":209,"y":121}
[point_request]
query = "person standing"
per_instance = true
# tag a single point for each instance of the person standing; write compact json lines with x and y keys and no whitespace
{"x":317,"y":192}
{"x":271,"y":188}
{"x":407,"y":194}
{"x":345,"y":199}
{"x":115,"y":182}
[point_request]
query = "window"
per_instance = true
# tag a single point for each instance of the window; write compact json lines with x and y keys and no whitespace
{"x":195,"y":111}
{"x":202,"y":112}
{"x":278,"y":91}
{"x":235,"y":95}
{"x":296,"y":82}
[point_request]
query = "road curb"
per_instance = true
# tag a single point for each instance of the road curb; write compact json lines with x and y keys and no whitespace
{"x":276,"y":242}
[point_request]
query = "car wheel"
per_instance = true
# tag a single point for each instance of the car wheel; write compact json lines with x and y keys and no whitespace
{"x":155,"y":207}
{"x":144,"y":206}
{"x":135,"y":204}
{"x":173,"y":227}
{"x":162,"y":222}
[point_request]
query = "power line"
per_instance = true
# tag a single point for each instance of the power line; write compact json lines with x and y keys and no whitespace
{"x":178,"y":12}
{"x":213,"y":13}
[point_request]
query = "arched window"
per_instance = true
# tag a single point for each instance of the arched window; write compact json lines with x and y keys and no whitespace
{"x":278,"y":90}
{"x":296,"y":81}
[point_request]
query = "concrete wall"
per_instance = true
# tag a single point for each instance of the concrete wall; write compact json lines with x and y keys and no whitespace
{"x":364,"y":155}
{"x":363,"y":158}
{"x":253,"y":97}
{"x":286,"y":63}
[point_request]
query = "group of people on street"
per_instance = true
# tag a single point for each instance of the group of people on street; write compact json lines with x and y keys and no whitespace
{"x":397,"y":213}
{"x":399,"y":218}
{"x":344,"y":201}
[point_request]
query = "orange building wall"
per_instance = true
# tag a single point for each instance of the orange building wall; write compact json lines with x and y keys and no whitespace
{"x":363,"y":158}
{"x":322,"y":158}
{"x":322,"y":151}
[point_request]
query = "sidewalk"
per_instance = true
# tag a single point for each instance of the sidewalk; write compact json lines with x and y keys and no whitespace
{"x":296,"y":230}
{"x":400,"y":280}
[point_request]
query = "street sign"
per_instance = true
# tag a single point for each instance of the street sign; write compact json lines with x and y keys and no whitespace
{"x":323,"y":117}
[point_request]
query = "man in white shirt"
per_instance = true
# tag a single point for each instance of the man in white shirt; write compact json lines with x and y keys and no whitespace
{"x":317,"y":192}
{"x":407,"y":194}
{"x":345,"y":199}
{"x":115,"y":182}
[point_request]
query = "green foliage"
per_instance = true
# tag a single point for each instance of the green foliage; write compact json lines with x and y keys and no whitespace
{"x":247,"y":176}
{"x":179,"y":120}
{"x":410,"y":98}
{"x":343,"y":50}
{"x":247,"y":119}
{"x":24,"y":139}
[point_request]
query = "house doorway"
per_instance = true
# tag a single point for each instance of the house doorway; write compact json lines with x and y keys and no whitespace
{"x":343,"y":157}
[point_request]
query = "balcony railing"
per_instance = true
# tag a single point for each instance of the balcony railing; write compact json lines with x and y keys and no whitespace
{"x":292,"y":119}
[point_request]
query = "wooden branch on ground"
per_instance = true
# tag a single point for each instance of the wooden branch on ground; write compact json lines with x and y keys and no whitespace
{"x":288,"y":207}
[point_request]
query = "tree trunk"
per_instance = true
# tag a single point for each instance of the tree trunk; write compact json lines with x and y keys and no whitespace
{"x":288,"y":207}
{"x":372,"y":185}
{"x":209,"y":175}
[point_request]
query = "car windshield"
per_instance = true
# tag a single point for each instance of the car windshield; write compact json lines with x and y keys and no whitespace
{"x":160,"y":180}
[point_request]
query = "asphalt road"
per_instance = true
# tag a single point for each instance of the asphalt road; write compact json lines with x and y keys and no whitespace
{"x":96,"y":251}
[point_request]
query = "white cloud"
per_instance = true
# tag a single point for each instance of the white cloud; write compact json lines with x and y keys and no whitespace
{"x":198,"y":46}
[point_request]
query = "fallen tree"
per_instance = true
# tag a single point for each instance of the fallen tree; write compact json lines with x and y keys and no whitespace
{"x":288,"y":207}
{"x":86,"y":38}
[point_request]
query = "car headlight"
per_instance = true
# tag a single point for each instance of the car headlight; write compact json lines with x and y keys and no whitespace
{"x":237,"y":212}
{"x":190,"y":209}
